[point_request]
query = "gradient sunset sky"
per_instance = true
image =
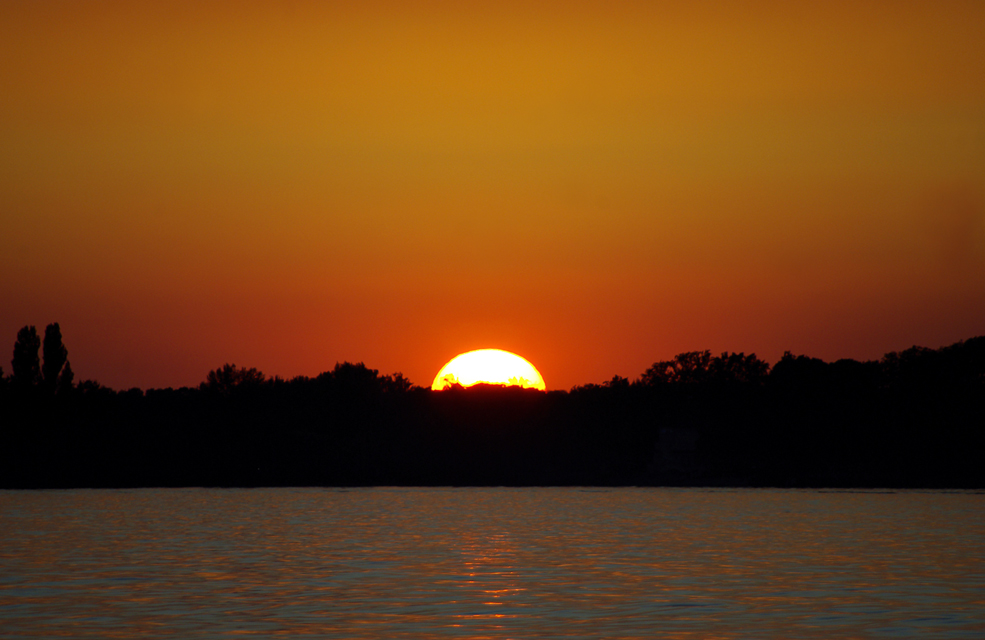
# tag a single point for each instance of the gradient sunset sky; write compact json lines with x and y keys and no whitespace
{"x":595,"y":186}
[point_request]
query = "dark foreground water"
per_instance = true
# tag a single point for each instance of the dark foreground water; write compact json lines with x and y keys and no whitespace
{"x":491,"y":563}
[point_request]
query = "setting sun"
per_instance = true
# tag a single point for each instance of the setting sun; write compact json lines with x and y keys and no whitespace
{"x":488,"y":366}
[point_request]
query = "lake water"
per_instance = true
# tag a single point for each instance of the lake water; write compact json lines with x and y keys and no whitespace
{"x":491,"y":563}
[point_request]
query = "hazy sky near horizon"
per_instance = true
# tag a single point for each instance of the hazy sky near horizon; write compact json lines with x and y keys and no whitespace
{"x":595,"y":186}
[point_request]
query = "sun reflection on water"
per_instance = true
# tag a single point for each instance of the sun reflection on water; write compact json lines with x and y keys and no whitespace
{"x":490,"y":563}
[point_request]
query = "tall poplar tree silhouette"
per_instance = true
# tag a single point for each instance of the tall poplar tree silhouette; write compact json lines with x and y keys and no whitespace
{"x":26,"y":368}
{"x":55,"y":356}
{"x":65,"y":380}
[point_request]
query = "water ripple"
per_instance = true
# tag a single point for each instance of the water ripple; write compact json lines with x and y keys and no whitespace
{"x":491,"y":563}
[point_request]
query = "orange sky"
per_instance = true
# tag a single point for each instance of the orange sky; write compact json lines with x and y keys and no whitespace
{"x":595,"y":186}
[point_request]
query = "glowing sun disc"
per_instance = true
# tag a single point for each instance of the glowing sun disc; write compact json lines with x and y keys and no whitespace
{"x":488,"y":366}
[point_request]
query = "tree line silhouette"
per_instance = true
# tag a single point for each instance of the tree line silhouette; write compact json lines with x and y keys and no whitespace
{"x":914,"y":418}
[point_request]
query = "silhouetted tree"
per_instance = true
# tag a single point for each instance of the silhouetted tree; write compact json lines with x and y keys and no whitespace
{"x":799,"y":371}
{"x":738,"y":367}
{"x":93,"y":387}
{"x":355,"y":376}
{"x":229,"y":377}
{"x":395,"y":383}
{"x":55,"y":356}
{"x":66,"y":378}
{"x":25,"y":364}
{"x":617,"y":382}
{"x":691,"y":367}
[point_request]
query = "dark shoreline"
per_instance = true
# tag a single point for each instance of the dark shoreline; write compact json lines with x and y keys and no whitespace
{"x":914,"y":419}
